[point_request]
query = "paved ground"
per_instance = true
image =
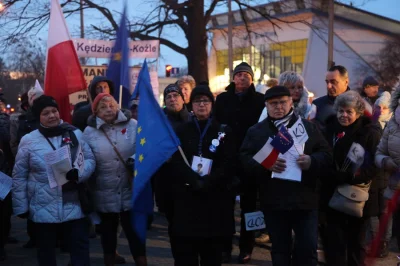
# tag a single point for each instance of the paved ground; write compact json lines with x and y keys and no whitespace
{"x":158,"y":249}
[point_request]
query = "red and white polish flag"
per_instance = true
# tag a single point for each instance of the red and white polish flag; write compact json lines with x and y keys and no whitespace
{"x":267,"y":156}
{"x":64,"y":74}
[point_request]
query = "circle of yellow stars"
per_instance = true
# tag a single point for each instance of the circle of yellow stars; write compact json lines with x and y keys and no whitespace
{"x":142,"y":142}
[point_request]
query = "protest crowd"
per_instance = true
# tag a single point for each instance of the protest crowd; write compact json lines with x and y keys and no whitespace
{"x":319,"y":172}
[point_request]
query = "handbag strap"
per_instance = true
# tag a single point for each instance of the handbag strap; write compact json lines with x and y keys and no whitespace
{"x":115,"y":149}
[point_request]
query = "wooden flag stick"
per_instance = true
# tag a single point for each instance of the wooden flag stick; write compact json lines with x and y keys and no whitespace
{"x":183,"y":156}
{"x":120,"y":96}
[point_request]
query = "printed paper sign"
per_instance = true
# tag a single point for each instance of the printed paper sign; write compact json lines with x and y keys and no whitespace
{"x":254,"y":221}
{"x":80,"y":160}
{"x":60,"y":158}
{"x":299,"y":132}
{"x":5,"y":185}
{"x":202,"y":166}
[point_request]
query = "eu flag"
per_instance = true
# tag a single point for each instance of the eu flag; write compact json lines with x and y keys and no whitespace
{"x":156,"y":142}
{"x":283,"y":141}
{"x":118,"y":68}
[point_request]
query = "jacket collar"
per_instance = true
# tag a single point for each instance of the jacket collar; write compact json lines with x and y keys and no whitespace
{"x":250,"y":91}
{"x":122,"y":116}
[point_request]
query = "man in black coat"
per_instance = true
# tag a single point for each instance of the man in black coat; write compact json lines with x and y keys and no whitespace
{"x":240,"y":108}
{"x":82,"y":111}
{"x":288,"y":204}
{"x":337,"y":82}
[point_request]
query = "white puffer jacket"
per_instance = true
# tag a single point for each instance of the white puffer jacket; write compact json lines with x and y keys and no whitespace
{"x":112,"y":189}
{"x":31,"y":190}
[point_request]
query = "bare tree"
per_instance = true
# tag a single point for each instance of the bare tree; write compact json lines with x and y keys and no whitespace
{"x":191,"y":17}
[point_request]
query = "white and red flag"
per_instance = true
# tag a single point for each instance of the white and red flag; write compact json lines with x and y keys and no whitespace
{"x":64,"y":74}
{"x":267,"y":156}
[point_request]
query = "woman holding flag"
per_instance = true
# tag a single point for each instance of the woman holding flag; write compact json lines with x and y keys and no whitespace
{"x":354,"y":138}
{"x":111,"y":134}
{"x":202,"y":210}
{"x":287,"y":155}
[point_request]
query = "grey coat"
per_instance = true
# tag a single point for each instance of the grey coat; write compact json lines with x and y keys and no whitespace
{"x":112,"y":189}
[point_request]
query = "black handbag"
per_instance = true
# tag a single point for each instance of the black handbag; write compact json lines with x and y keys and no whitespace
{"x":85,"y":198}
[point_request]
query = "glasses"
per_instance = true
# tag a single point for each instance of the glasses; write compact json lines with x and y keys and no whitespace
{"x":277,"y":103}
{"x":198,"y":102}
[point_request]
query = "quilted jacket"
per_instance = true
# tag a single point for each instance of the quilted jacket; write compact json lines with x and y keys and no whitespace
{"x":112,"y":189}
{"x":31,"y":190}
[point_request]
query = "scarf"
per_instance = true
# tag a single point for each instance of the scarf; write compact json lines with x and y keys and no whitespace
{"x":59,"y":130}
{"x":284,"y":121}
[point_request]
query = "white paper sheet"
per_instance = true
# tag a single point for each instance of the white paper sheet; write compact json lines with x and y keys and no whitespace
{"x":60,"y":158}
{"x":299,"y":132}
{"x":293,"y":171}
{"x":5,"y":185}
{"x":254,"y":221}
{"x":201,"y":165}
{"x":79,"y":160}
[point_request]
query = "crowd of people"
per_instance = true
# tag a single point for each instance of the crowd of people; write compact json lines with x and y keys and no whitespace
{"x":332,"y":183}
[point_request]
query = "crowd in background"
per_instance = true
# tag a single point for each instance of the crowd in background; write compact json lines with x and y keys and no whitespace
{"x":220,"y":137}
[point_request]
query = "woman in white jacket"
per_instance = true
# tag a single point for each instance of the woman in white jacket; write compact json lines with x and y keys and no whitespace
{"x":109,"y":129}
{"x":46,"y":203}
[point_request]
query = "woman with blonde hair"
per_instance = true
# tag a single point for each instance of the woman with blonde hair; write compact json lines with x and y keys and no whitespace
{"x":111,"y":133}
{"x":186,"y":84}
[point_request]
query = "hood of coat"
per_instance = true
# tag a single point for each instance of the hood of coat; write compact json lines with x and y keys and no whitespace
{"x":394,"y":101}
{"x":97,"y":79}
{"x":123,"y":116}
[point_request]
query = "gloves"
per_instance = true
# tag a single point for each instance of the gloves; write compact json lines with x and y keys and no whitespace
{"x":23,"y":215}
{"x":73,"y":175}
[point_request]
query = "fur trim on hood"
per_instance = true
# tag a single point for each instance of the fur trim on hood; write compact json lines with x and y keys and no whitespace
{"x":301,"y":108}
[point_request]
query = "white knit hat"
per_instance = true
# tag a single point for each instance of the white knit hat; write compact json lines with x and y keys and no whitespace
{"x":34,"y":93}
{"x":384,"y":99}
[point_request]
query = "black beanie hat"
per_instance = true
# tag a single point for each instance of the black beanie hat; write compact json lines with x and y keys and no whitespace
{"x":202,"y":89}
{"x":276,"y":91}
{"x":42,"y":102}
{"x":172,"y":88}
{"x":370,"y":81}
{"x":244,"y":67}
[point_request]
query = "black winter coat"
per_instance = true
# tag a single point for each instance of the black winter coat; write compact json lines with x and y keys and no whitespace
{"x":202,"y":206}
{"x":239,"y":112}
{"x":366,"y":133}
{"x":278,"y":194}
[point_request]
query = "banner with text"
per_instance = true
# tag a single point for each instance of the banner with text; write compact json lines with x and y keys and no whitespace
{"x":89,"y":72}
{"x":103,"y":49}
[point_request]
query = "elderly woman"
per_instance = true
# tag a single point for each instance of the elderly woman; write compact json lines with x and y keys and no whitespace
{"x":388,"y":157}
{"x":47,"y":201}
{"x":186,"y":84}
{"x":202,"y":213}
{"x":299,"y":93}
{"x":111,"y":133}
{"x":348,"y":130}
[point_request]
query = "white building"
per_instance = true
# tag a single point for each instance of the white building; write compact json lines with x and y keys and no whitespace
{"x":296,"y":39}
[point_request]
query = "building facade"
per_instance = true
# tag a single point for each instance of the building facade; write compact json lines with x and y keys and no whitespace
{"x":295,"y":38}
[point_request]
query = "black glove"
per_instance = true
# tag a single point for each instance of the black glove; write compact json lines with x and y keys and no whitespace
{"x":23,"y":215}
{"x":73,"y":175}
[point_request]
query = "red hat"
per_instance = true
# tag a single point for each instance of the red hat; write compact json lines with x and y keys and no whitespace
{"x":98,"y":98}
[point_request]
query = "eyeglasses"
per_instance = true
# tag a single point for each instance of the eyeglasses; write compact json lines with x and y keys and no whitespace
{"x":198,"y":102}
{"x":276,"y":103}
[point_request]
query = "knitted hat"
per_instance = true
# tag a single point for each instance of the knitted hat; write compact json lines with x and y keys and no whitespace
{"x":42,"y":102}
{"x":97,"y":100}
{"x":370,"y":81}
{"x":34,"y":93}
{"x":276,"y":91}
{"x":243,"y":67}
{"x":384,"y":99}
{"x":172,"y":88}
{"x":201,"y":89}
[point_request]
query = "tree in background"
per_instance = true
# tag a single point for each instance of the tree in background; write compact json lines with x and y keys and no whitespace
{"x":190,"y":17}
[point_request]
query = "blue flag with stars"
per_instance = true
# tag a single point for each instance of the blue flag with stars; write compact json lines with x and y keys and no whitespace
{"x":118,"y":68}
{"x":283,"y":141}
{"x":156,"y":142}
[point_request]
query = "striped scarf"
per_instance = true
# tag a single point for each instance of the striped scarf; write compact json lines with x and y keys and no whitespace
{"x":283,"y":121}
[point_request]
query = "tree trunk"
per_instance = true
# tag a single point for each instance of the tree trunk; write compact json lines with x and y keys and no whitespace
{"x":197,"y":42}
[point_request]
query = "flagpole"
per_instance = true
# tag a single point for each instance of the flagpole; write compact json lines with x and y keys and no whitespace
{"x":120,"y":96}
{"x":183,"y":156}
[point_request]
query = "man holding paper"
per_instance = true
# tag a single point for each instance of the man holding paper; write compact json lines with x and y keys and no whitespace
{"x":287,"y":154}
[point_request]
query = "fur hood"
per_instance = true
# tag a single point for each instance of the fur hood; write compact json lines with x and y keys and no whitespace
{"x":394,"y":102}
{"x":302,"y":106}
